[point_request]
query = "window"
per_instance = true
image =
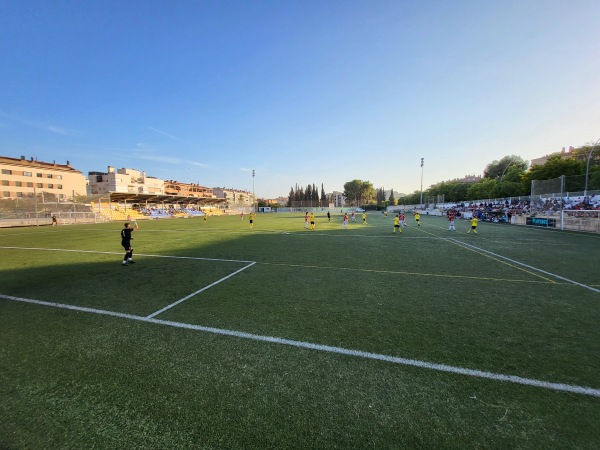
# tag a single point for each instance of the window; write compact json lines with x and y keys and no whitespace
{"x":4,"y":182}
{"x":50,"y":186}
{"x":27,"y":174}
{"x":40,"y":185}
{"x":6,"y":172}
{"x":19,"y":194}
{"x":59,"y":177}
{"x":29,"y":184}
{"x":59,"y":186}
{"x":39,"y":175}
{"x":18,"y":183}
{"x":6,"y":194}
{"x":49,"y":175}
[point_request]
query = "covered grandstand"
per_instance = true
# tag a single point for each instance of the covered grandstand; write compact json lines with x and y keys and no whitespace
{"x":123,"y":205}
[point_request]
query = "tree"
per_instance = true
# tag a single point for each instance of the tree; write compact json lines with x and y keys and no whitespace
{"x":410,"y":199}
{"x":496,"y":169}
{"x":392,"y":199}
{"x":483,"y":189}
{"x":508,"y":189}
{"x":323,"y":196}
{"x":555,"y":167}
{"x":352,"y":190}
{"x":358,"y":191}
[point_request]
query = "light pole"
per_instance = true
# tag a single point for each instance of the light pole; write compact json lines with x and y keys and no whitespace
{"x":421,"y":202}
{"x":253,"y":194}
{"x":505,"y":169}
{"x":587,"y":168}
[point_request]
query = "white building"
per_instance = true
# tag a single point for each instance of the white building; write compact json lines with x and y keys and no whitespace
{"x":127,"y":181}
{"x":235,"y":197}
{"x":338,"y":199}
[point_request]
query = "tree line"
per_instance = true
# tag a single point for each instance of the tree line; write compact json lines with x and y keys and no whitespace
{"x":510,"y":176}
{"x":308,"y":196}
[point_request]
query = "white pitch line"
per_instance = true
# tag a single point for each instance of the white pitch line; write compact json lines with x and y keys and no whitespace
{"x":525,"y":265}
{"x":120,"y":253}
{"x":583,"y":390}
{"x":154,"y":314}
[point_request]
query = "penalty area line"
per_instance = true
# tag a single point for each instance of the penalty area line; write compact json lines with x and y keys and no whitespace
{"x":464,"y":244}
{"x":562,"y":387}
{"x":196,"y":258}
{"x":156,"y":313}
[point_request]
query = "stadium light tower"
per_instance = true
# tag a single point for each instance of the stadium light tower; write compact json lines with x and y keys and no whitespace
{"x":421,"y":202}
{"x":253,"y":193}
{"x":506,"y":168}
{"x":587,"y":167}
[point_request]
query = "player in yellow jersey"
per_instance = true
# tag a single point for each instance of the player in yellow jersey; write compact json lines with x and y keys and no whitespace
{"x":473,"y":225}
{"x":312,"y":221}
{"x":418,"y":218}
{"x":252,"y":216}
{"x":397,"y":224}
{"x":364,"y":218}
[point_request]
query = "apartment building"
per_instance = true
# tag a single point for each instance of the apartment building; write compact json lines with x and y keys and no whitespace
{"x":235,"y":197}
{"x":126,"y":181}
{"x":27,"y":177}
{"x":173,"y":187}
{"x":337,"y":199}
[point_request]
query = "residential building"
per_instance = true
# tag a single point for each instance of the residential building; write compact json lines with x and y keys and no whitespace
{"x":124,"y":181}
{"x":543,"y":159}
{"x":235,"y":197}
{"x":337,"y":199}
{"x":27,"y":177}
{"x":188,"y":189}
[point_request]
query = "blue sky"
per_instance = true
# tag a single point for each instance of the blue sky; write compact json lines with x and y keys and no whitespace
{"x":301,"y":91}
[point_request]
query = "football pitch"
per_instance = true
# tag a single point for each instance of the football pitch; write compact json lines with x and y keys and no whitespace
{"x":223,"y":336}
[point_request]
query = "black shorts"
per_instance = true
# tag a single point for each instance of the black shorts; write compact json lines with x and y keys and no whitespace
{"x":126,"y":244}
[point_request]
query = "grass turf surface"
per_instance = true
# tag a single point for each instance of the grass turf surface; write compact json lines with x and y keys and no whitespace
{"x":74,"y":379}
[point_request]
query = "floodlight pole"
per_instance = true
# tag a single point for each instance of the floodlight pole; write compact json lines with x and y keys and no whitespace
{"x":421,"y":202}
{"x":587,"y":167}
{"x":505,"y":169}
{"x":253,"y":194}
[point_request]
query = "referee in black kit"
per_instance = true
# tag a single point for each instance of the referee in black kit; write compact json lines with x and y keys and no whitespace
{"x":126,"y":243}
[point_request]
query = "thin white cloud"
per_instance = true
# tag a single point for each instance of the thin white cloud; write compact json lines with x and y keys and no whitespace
{"x":40,"y":125}
{"x":58,"y":130}
{"x":164,"y":134}
{"x":167,"y":159}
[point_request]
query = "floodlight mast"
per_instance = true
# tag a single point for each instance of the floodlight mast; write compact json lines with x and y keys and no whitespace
{"x":421,"y":202}
{"x":513,"y":160}
{"x":587,"y":167}
{"x":253,"y":194}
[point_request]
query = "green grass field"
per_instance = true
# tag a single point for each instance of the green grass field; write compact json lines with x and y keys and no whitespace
{"x":222,"y":336}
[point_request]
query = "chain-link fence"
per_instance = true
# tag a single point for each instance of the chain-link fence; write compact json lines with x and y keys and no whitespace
{"x":45,"y":210}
